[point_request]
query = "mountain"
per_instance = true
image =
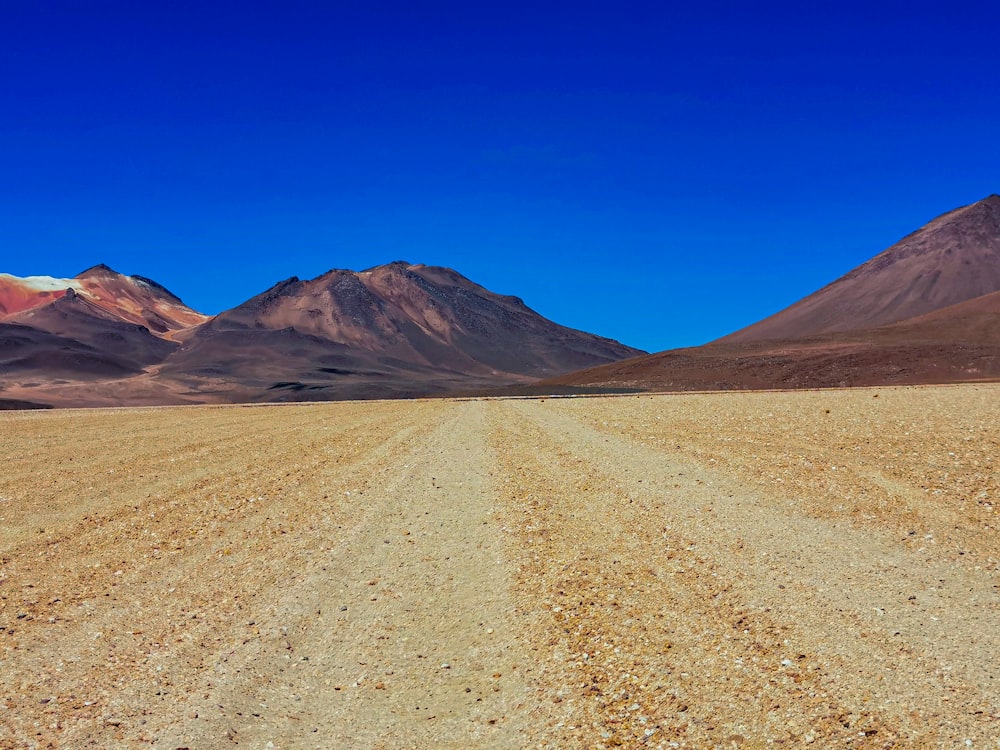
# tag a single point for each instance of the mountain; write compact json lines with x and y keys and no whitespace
{"x":394,"y":330}
{"x":95,"y":326}
{"x":954,"y":258}
{"x":102,"y":293}
{"x":926,"y":310}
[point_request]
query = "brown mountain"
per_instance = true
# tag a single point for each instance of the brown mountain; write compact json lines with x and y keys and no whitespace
{"x":927,"y":310}
{"x":393,"y":330}
{"x":96,"y":326}
{"x":102,"y":293}
{"x":396,"y":329}
{"x":953,"y":258}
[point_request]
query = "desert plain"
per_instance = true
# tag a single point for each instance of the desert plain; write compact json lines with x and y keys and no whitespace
{"x":730,"y":570}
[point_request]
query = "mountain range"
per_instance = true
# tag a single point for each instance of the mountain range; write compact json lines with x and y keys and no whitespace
{"x":396,"y":330}
{"x":926,"y":310}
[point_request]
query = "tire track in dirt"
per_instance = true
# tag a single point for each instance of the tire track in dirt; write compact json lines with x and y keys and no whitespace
{"x":404,"y":637}
{"x":919,"y":463}
{"x":209,"y":577}
{"x":685,"y":608}
{"x":105,"y":619}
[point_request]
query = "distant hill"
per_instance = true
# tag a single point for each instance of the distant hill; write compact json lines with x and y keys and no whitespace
{"x":396,"y":329}
{"x":926,"y":310}
{"x":99,"y":324}
{"x":956,"y":257}
{"x":105,"y":293}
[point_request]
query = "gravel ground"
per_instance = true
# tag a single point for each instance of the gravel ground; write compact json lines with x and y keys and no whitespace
{"x":727,"y":570}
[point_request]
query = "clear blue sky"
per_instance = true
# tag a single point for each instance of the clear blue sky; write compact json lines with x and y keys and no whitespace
{"x":657,"y":172}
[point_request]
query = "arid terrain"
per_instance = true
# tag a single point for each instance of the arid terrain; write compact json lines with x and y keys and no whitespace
{"x":731,"y":570}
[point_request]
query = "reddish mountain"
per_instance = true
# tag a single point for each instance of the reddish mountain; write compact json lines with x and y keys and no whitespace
{"x":97,"y":325}
{"x":953,"y":258}
{"x":17,"y":294}
{"x":105,"y":294}
{"x":397,"y":329}
{"x":927,"y":310}
{"x":394,"y":330}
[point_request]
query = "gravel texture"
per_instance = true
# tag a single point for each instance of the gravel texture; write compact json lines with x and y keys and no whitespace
{"x":727,"y":570}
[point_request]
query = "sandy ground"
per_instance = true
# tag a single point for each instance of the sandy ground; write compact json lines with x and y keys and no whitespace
{"x":725,"y":570}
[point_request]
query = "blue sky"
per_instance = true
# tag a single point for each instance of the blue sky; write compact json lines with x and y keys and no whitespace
{"x":655,"y":173}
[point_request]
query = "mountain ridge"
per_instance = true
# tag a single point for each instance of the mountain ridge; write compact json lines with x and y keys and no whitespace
{"x":396,"y":329}
{"x":924,"y":310}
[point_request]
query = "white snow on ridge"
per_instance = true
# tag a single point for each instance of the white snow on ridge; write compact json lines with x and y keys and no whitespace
{"x":43,"y":283}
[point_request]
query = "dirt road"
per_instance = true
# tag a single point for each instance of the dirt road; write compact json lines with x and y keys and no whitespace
{"x":726,"y":570}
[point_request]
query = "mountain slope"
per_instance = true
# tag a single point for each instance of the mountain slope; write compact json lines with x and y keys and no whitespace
{"x":19,"y":294}
{"x":138,"y":300}
{"x":396,"y":329}
{"x":107,"y":294}
{"x":974,"y":321}
{"x":954,"y":258}
{"x":94,"y":333}
{"x":76,"y":317}
{"x":960,"y":343}
{"x":850,"y":332}
{"x":40,"y":356}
